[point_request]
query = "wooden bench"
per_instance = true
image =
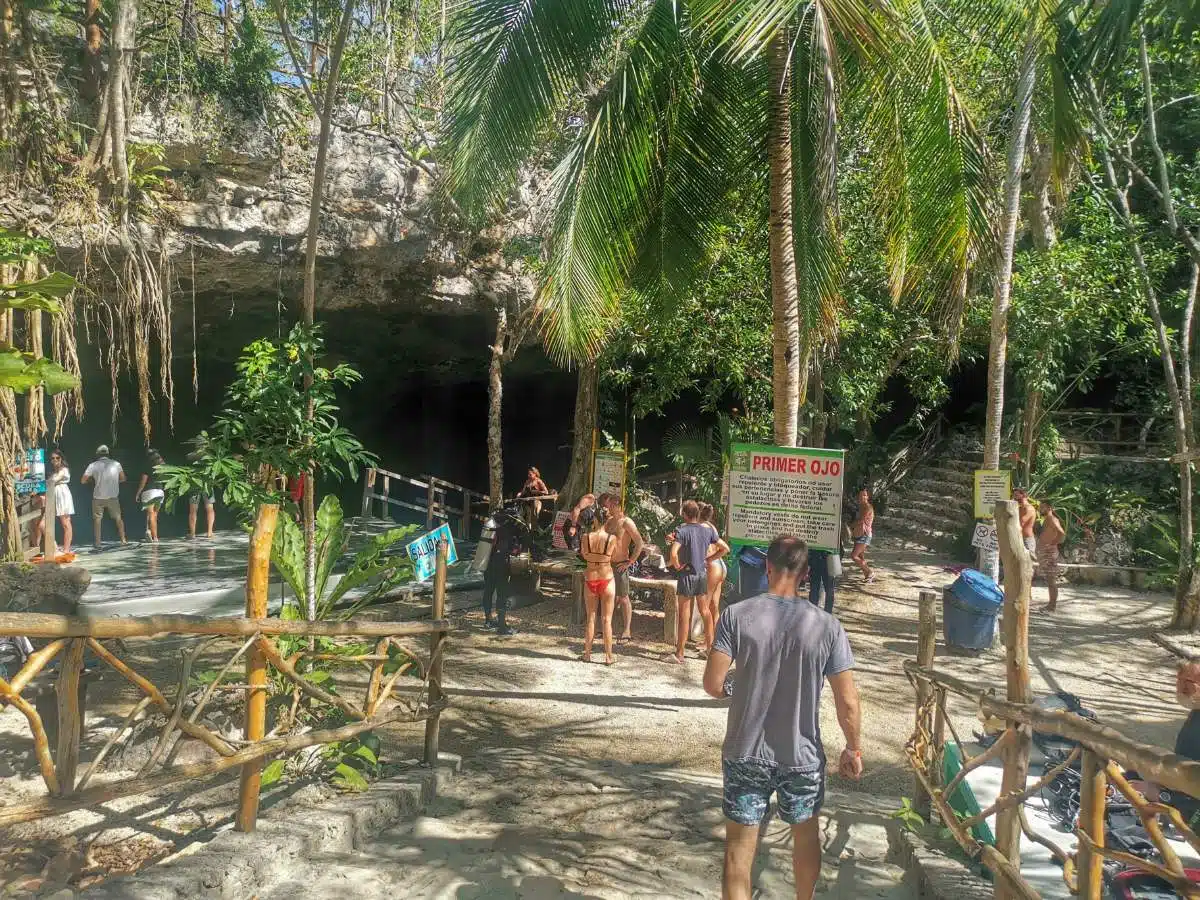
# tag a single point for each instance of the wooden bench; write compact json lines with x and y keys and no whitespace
{"x":1092,"y":573}
{"x":567,"y":568}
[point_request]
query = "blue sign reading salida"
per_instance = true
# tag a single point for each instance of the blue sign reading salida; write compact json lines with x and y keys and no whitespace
{"x":423,"y":552}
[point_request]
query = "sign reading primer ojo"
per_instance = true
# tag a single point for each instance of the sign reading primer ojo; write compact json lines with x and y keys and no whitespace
{"x":785,"y":490}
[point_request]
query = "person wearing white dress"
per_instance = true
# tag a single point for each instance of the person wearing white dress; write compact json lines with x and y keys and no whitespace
{"x":64,"y":503}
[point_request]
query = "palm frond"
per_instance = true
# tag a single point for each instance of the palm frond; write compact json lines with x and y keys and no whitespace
{"x":742,"y":29}
{"x":711,"y":143}
{"x":934,"y":186}
{"x":605,"y":189}
{"x":512,"y":64}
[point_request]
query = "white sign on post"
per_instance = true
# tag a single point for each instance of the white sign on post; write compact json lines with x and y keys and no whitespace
{"x":984,"y":537}
{"x":991,"y":486}
{"x":608,"y":474}
{"x":785,"y":490}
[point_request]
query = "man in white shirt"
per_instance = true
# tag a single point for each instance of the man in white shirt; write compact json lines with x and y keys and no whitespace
{"x":107,"y":475}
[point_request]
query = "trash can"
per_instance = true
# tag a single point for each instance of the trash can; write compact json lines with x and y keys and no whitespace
{"x":752,"y":571}
{"x":970,"y":608}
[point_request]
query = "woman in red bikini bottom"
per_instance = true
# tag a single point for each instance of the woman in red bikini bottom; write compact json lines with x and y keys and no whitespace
{"x":596,"y":549}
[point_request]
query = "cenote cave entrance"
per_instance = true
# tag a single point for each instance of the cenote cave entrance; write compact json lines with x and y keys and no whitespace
{"x":421,"y":406}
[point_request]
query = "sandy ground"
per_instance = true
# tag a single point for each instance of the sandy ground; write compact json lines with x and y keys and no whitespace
{"x":642,"y":727}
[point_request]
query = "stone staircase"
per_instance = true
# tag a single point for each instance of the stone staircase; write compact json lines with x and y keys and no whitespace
{"x":932,"y":508}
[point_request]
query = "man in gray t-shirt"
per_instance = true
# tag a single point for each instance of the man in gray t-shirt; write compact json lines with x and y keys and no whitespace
{"x":785,"y":649}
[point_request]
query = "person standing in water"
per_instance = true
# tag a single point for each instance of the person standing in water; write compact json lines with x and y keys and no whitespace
{"x":107,"y":476}
{"x":863,"y":530}
{"x":596,"y":547}
{"x":150,"y":494}
{"x":626,"y":552}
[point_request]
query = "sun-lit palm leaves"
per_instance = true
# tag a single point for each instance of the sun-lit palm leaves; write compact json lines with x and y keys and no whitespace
{"x":679,"y":123}
{"x":513,"y":64}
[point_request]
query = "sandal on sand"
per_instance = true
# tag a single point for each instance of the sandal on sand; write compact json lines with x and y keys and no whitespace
{"x":672,"y":658}
{"x":625,"y":639}
{"x":585,"y":657}
{"x":609,"y":662}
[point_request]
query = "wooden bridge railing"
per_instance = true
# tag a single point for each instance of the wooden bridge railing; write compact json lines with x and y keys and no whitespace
{"x":1105,"y":754}
{"x":672,"y":488}
{"x":71,"y":638}
{"x":383,"y":489}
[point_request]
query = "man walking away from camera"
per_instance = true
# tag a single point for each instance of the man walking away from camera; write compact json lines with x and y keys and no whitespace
{"x":785,"y":649}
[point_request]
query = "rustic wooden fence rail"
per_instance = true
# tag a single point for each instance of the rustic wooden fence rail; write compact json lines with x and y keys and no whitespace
{"x":73,"y":638}
{"x":432,"y":498}
{"x":1105,"y":753}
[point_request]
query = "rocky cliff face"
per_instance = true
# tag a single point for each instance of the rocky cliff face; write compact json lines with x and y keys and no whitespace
{"x":235,"y":207}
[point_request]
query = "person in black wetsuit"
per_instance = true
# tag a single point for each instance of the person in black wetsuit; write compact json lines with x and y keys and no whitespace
{"x":499,"y":569}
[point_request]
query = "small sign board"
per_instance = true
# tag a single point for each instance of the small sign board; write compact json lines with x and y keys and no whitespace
{"x":991,"y":486}
{"x":423,"y":551}
{"x":608,"y":473}
{"x":984,"y":537}
{"x":29,"y":475}
{"x":785,"y":490}
{"x":558,"y":540}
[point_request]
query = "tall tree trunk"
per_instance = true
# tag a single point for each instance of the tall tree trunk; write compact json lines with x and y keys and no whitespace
{"x":309,"y":298}
{"x":1187,"y":600}
{"x":819,"y":420}
{"x":91,"y":50}
{"x":1029,"y":430}
{"x":998,"y":349}
{"x":495,"y":434}
{"x":586,"y":414}
{"x":785,"y":291}
{"x":189,"y":31}
{"x":258,"y":573}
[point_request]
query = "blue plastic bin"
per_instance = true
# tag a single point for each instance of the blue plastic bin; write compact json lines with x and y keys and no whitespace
{"x":970,"y":607}
{"x":752,"y":571}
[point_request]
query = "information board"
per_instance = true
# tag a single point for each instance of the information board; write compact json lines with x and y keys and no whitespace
{"x":29,"y":475}
{"x":608,"y":473}
{"x":991,"y":486}
{"x":785,"y":490}
{"x":423,"y":552}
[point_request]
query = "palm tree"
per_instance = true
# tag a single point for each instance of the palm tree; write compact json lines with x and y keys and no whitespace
{"x":672,"y":106}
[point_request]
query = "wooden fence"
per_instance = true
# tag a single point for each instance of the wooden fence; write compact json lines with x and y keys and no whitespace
{"x":70,"y":638}
{"x":672,"y":488}
{"x":1105,"y":755}
{"x":428,"y":495}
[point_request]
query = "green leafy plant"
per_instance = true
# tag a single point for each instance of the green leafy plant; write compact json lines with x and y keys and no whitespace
{"x":355,"y":762}
{"x":373,"y":565}
{"x":147,"y":175}
{"x":909,"y":818}
{"x":263,"y":431}
{"x":21,"y":371}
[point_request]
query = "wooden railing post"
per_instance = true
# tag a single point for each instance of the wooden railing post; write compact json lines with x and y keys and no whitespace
{"x":368,"y":490}
{"x":257,"y":587}
{"x":1018,"y":580}
{"x":429,"y":501}
{"x":1093,"y":786}
{"x":433,"y":723}
{"x":49,"y":519}
{"x":926,"y":649}
{"x":70,"y":716}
